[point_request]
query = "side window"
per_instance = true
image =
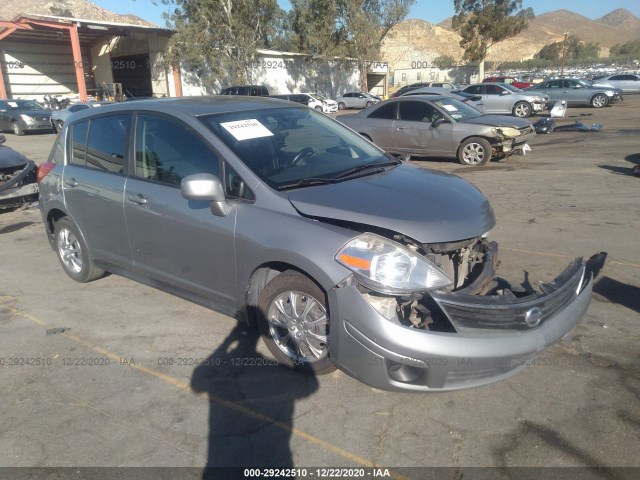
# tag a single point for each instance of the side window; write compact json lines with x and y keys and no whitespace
{"x":57,"y":152}
{"x":107,"y":143}
{"x":474,"y":89}
{"x":416,"y":111}
{"x":79,"y":143}
{"x":553,"y":84}
{"x":508,"y":81}
{"x":386,"y":111}
{"x":492,"y":89}
{"x":168,"y":151}
{"x":235,"y":186}
{"x":618,"y":77}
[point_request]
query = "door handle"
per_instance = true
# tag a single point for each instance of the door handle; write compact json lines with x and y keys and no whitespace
{"x":139,"y":199}
{"x":401,"y":128}
{"x":70,"y":182}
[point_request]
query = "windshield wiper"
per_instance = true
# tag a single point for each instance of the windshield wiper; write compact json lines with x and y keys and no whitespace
{"x":307,"y":182}
{"x":360,"y":168}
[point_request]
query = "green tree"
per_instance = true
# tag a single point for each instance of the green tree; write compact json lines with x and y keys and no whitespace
{"x":347,"y":28}
{"x":483,"y":23}
{"x":219,"y":38}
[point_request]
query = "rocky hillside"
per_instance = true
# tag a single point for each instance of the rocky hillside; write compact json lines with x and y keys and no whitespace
{"x":66,"y":8}
{"x":417,"y":40}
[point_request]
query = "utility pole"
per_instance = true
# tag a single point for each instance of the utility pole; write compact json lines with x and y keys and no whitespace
{"x":564,"y":52}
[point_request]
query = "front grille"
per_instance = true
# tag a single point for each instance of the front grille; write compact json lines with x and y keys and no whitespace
{"x":508,"y":312}
{"x":471,"y":377}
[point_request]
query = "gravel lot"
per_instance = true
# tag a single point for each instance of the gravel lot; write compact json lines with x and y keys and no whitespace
{"x":114,"y":373}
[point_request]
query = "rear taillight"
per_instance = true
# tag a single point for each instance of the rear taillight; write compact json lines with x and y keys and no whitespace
{"x":43,"y":169}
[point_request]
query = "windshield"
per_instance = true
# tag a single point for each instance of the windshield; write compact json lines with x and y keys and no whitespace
{"x":317,"y":96}
{"x":456,"y":109}
{"x":512,"y":88}
{"x":24,"y":105}
{"x":287,"y":146}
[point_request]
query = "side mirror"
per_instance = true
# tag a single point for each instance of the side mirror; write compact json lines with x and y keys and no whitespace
{"x":439,"y":121}
{"x":204,"y":186}
{"x":505,"y":92}
{"x":2,"y":139}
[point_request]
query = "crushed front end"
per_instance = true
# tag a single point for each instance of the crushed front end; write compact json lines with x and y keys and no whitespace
{"x":17,"y":184}
{"x":478,"y":330}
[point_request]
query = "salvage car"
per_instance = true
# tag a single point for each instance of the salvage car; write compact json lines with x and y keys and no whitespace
{"x":439,"y":126}
{"x":513,"y":81}
{"x":501,"y":98}
{"x":21,"y":116}
{"x":17,"y":178}
{"x":626,"y":82}
{"x":474,"y":100}
{"x":58,"y":117}
{"x":356,"y":100}
{"x":578,"y":92}
{"x":278,"y":215}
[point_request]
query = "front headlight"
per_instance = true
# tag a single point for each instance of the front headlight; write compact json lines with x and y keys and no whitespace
{"x":609,"y":93}
{"x":388,"y":267}
{"x":26,"y":118}
{"x":508,"y":132}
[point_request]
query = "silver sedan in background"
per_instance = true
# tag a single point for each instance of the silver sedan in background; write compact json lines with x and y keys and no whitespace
{"x":439,"y":126}
{"x":578,"y":92}
{"x":58,"y":117}
{"x":500,"y":98}
{"x":626,"y":82}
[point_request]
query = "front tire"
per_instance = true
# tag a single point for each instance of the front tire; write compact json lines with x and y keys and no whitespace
{"x":599,"y":101}
{"x":474,"y":151}
{"x":522,"y":109}
{"x":294,"y":323}
{"x":341,"y":106}
{"x":73,"y":253}
{"x":17,"y":129}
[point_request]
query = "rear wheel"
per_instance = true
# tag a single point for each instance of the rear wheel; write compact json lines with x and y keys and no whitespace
{"x":474,"y":151}
{"x":73,"y":253}
{"x":17,"y":129}
{"x":369,"y":103}
{"x":522,"y":109}
{"x":294,"y":322}
{"x":599,"y":101}
{"x":341,"y":106}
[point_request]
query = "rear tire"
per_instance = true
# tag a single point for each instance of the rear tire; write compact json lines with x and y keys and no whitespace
{"x":341,"y":106}
{"x":294,"y":323}
{"x":73,"y":253}
{"x":474,"y":151}
{"x":599,"y":101}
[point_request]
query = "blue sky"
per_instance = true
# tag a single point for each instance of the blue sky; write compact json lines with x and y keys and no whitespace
{"x":430,"y":10}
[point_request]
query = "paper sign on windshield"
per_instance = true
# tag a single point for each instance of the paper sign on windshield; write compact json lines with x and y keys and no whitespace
{"x":247,"y":129}
{"x":13,"y":104}
{"x":450,"y":108}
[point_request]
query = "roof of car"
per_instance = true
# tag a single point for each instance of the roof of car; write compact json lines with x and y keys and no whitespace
{"x":195,"y":106}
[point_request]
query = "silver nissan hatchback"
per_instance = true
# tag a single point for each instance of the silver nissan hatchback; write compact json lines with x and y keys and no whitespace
{"x":341,"y":255}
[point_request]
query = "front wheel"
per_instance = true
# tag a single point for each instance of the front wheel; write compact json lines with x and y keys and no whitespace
{"x":474,"y":151}
{"x":73,"y":253}
{"x":341,"y":106}
{"x":522,"y":109}
{"x":318,"y":108}
{"x":294,"y":323}
{"x":17,"y":129}
{"x":599,"y":101}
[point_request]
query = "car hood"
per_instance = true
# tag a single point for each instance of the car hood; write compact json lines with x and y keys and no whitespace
{"x":498,"y":121}
{"x":35,"y":113}
{"x":9,"y":158}
{"x":428,"y":206}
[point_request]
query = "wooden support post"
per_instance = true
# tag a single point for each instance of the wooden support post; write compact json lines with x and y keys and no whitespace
{"x":177,"y":79}
{"x":77,"y":62}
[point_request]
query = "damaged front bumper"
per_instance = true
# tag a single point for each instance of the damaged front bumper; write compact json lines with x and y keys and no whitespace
{"x":18,"y":185}
{"x":489,"y":336}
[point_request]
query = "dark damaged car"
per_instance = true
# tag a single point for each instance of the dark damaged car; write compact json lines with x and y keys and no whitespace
{"x":341,"y":255}
{"x":17,"y":178}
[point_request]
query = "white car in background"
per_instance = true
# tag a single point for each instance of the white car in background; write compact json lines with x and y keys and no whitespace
{"x":321,"y":103}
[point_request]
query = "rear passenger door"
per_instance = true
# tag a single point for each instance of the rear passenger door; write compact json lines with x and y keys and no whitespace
{"x":93,"y":183}
{"x":177,"y":241}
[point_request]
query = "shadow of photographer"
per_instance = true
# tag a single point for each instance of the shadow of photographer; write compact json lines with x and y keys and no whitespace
{"x":251,"y":406}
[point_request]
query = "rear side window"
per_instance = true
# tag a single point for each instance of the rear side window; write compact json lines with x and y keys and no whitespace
{"x":79,"y":143}
{"x":474,"y":89}
{"x":167,"y":151}
{"x":107,"y":143}
{"x":57,"y":152}
{"x":387,"y":111}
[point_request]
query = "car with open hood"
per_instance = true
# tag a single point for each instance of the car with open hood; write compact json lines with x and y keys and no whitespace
{"x":439,"y":126}
{"x":277,"y":215}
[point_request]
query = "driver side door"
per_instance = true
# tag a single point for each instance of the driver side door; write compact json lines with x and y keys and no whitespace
{"x":414,"y":133}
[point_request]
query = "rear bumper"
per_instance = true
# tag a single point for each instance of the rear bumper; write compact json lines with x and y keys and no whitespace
{"x":391,"y":356}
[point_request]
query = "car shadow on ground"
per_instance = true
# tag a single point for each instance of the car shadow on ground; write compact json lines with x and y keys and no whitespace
{"x":618,"y":292}
{"x":251,"y":406}
{"x":634,"y":159}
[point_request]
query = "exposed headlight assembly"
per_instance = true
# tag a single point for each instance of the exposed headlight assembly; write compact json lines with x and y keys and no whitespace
{"x":388,"y":267}
{"x":508,"y":132}
{"x":26,"y":118}
{"x":609,"y":93}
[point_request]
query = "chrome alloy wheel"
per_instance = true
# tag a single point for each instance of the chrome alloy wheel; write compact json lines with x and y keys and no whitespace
{"x":599,"y":101}
{"x":69,"y":250}
{"x":473,"y":154}
{"x":522,"y":110}
{"x":299,"y":326}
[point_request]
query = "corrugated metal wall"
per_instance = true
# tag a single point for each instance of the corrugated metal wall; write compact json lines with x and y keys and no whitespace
{"x":32,"y":70}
